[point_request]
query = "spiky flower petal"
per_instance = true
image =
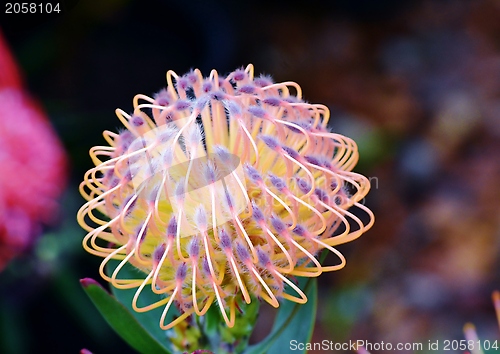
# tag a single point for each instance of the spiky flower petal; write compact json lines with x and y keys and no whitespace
{"x":220,"y":188}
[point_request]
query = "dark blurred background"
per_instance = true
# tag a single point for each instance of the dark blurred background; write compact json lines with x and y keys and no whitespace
{"x":415,"y":83}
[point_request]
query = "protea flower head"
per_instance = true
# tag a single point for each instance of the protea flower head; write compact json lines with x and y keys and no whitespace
{"x":32,"y":163}
{"x":221,"y":189}
{"x":470,"y":333}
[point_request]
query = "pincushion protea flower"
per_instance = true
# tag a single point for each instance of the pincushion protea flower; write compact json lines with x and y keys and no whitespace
{"x":32,"y":163}
{"x":474,"y":344}
{"x":221,"y":188}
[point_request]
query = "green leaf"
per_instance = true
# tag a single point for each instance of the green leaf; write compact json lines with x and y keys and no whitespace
{"x":121,"y":320}
{"x":150,"y":320}
{"x":293,"y":322}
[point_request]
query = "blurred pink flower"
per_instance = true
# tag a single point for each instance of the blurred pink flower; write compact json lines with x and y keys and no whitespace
{"x":32,"y":163}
